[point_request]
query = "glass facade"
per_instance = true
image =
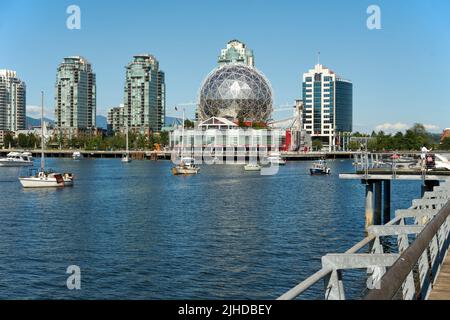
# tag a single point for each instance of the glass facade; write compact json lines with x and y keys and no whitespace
{"x":344,"y":106}
{"x":12,"y":102}
{"x":75,"y":96}
{"x":328,"y":104}
{"x":144,"y":95}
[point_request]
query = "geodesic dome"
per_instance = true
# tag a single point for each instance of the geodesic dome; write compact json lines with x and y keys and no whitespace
{"x":236,"y":91}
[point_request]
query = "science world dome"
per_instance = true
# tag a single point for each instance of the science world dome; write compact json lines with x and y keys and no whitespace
{"x":236,"y":91}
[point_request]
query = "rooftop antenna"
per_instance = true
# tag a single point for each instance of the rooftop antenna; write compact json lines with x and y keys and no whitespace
{"x":318,"y":57}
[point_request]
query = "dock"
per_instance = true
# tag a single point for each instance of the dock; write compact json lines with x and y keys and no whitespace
{"x":166,"y":154}
{"x":405,"y":257}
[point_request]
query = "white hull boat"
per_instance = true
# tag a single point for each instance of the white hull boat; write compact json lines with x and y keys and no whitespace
{"x":185,"y":170}
{"x":275,"y":158}
{"x":47,"y":180}
{"x":186,"y":166}
{"x":126,"y":158}
{"x":16,"y":159}
{"x":252,"y":167}
{"x":77,"y":155}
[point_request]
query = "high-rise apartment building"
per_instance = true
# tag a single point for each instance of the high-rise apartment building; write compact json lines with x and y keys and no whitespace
{"x":115,"y":119}
{"x":75,"y":96}
{"x":144,"y":95}
{"x":236,"y":52}
{"x":328,"y":105}
{"x":12,"y":102}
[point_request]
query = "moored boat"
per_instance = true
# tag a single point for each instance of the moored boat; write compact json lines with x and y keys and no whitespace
{"x":41,"y":178}
{"x":252,"y":167}
{"x":186,"y":166}
{"x":45,"y":179}
{"x":319,"y":168}
{"x":275,"y":158}
{"x":16,"y":159}
{"x":77,"y":155}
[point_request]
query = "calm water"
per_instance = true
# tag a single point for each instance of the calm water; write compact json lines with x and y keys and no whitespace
{"x":138,"y":232}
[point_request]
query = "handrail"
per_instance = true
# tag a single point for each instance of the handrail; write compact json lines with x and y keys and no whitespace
{"x":393,"y":279}
{"x":428,"y":219}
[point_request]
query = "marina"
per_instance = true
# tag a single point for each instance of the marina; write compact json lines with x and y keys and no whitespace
{"x":203,"y":233}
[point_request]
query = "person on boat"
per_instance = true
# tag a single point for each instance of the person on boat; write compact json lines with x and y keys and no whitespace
{"x":423,"y":154}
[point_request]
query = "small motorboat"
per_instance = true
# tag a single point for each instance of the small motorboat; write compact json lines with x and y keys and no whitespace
{"x":77,"y":155}
{"x":16,"y":159}
{"x":252,"y":167}
{"x":186,"y":166}
{"x":320,"y":168}
{"x":275,"y":158}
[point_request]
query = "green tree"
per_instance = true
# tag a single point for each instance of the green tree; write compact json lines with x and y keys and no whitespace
{"x":9,"y":140}
{"x":445,"y":145}
{"x":354,"y":146}
{"x":188,"y":124}
{"x":317,"y":145}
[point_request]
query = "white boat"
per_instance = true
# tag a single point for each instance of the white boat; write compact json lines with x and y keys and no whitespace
{"x":16,"y":159}
{"x":42,"y":178}
{"x":252,"y":167}
{"x":275,"y":158}
{"x":46,"y":179}
{"x":320,"y":168}
{"x":186,"y":166}
{"x":126,"y":157}
{"x":77,"y":155}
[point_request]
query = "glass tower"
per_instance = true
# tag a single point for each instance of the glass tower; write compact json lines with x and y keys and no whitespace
{"x":12,"y":102}
{"x":328,"y":100}
{"x":145,"y":95}
{"x":75,"y":97}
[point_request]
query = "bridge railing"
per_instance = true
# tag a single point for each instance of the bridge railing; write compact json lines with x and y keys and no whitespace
{"x":418,"y":235}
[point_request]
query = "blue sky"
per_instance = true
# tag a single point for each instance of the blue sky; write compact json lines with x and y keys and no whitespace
{"x":400,"y":73}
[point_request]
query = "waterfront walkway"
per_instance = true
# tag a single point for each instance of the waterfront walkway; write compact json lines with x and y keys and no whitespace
{"x":441,"y":289}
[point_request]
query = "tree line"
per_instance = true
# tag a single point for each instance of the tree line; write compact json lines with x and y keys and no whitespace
{"x":137,"y":141}
{"x":413,"y":139}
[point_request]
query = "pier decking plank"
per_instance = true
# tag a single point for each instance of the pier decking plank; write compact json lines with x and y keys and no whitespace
{"x":441,"y":289}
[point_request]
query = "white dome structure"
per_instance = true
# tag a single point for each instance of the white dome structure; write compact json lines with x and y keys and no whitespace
{"x":236,"y":91}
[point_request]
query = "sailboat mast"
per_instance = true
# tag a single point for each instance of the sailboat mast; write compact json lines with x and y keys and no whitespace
{"x":127,"y":138}
{"x":42,"y":131}
{"x":182,"y":135}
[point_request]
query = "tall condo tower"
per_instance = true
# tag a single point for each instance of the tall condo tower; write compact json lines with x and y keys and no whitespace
{"x":12,"y":102}
{"x":328,"y":105}
{"x":75,"y":96}
{"x":144,"y":95}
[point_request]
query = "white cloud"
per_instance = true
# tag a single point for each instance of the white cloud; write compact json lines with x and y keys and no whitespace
{"x":399,"y":126}
{"x":35,"y":112}
{"x":392,"y":127}
{"x":432,"y":127}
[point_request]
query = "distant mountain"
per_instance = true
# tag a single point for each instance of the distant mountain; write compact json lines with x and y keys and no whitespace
{"x":32,"y":122}
{"x":101,"y":122}
{"x":171,"y":120}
